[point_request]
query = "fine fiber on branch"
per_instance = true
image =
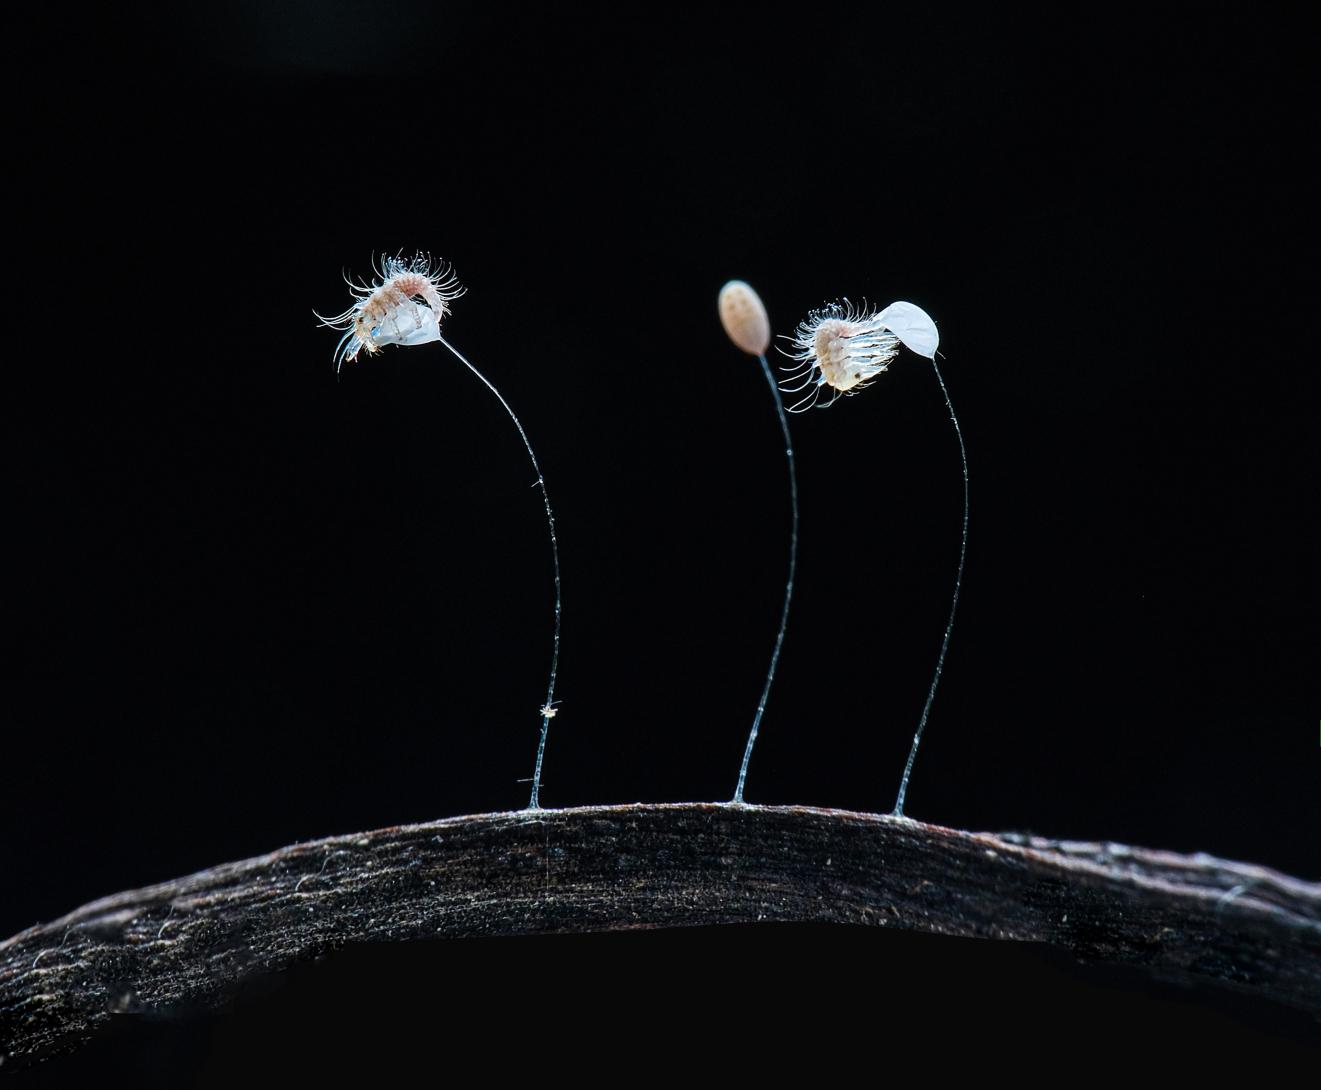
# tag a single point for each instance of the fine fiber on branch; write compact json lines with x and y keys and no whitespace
{"x":187,"y":942}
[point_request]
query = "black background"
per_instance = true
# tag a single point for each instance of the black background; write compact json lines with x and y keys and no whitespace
{"x":254,"y":603}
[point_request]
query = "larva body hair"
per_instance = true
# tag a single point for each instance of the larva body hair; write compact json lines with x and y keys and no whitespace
{"x":849,"y":354}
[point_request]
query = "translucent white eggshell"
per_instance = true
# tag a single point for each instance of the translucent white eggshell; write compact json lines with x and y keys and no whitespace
{"x":913,"y":326}
{"x":409,"y":323}
{"x":743,"y":315}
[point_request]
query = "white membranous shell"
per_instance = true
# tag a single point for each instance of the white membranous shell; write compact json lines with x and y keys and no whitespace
{"x":913,"y":326}
{"x":845,"y":348}
{"x":743,"y":315}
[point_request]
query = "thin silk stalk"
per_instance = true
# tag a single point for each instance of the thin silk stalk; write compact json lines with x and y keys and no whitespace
{"x":898,"y":810}
{"x":788,"y":587}
{"x":547,"y":709}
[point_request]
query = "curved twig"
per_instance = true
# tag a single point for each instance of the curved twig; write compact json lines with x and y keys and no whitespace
{"x":610,"y":867}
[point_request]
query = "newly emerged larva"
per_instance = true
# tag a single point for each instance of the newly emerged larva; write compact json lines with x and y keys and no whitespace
{"x":845,"y":347}
{"x":389,"y":311}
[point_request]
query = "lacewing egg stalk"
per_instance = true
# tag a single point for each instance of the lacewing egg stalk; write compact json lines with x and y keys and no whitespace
{"x":744,"y":318}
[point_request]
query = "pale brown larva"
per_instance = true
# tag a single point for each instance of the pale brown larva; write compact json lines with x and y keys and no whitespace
{"x":845,"y":347}
{"x":404,"y":305}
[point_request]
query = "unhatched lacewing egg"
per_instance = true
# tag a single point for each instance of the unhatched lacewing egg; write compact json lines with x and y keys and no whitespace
{"x":744,"y":317}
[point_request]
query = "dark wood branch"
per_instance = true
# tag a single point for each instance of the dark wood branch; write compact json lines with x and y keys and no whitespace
{"x":613,"y":867}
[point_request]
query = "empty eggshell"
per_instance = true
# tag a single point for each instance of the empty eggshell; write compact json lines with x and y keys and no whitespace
{"x":913,"y":326}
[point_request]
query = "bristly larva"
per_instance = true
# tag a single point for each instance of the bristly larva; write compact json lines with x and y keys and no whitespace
{"x":846,"y":348}
{"x":405,"y":305}
{"x":743,"y":315}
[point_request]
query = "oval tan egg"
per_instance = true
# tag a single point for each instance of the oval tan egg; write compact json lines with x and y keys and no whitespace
{"x":744,"y":317}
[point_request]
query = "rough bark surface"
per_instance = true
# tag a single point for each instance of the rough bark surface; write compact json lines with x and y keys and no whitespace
{"x":188,"y":941}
